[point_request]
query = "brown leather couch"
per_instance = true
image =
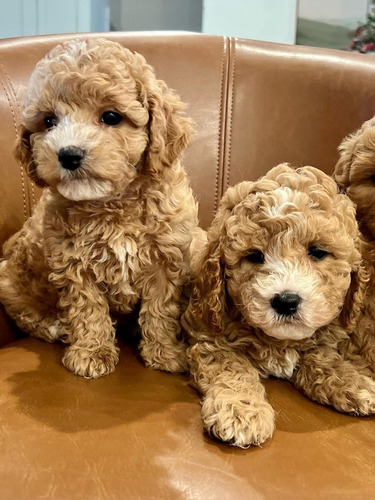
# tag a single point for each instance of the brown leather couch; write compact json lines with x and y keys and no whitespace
{"x":137,"y":433}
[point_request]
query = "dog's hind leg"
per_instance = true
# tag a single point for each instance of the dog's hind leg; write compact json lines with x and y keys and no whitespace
{"x":31,"y":314}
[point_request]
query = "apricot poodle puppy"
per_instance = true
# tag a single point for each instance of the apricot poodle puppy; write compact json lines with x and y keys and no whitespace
{"x":278,"y":286}
{"x":113,"y":226}
{"x":355,"y":174}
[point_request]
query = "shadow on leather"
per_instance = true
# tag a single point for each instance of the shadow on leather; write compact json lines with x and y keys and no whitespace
{"x":49,"y":393}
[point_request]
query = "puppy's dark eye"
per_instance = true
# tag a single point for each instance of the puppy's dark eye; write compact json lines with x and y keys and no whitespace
{"x":372,"y":179}
{"x":111,"y":118}
{"x":255,"y":256}
{"x":317,"y":253}
{"x":50,"y":121}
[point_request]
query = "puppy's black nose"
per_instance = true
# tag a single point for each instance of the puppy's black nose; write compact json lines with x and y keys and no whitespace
{"x":71,"y":157}
{"x":285,"y":303}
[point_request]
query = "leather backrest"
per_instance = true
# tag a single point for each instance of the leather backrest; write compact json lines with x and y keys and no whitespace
{"x":255,"y":104}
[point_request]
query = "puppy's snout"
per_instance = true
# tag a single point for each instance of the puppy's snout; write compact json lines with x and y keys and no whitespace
{"x":71,"y":157}
{"x":285,"y":303}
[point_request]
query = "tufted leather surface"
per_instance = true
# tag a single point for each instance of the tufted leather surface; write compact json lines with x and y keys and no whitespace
{"x":136,"y":434}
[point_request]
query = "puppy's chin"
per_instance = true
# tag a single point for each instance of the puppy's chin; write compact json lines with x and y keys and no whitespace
{"x":84,"y":189}
{"x":289,"y":331}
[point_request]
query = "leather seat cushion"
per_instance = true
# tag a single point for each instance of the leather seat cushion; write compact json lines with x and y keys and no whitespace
{"x":137,"y":434}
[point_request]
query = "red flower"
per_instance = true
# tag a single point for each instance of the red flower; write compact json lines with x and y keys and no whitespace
{"x":368,"y":47}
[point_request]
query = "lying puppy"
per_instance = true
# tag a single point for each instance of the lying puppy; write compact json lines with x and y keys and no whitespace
{"x":278,"y":287}
{"x":114,"y":226}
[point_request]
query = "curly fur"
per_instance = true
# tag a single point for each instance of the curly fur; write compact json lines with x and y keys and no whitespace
{"x":355,"y":174}
{"x":239,"y":338}
{"x":117,"y":230}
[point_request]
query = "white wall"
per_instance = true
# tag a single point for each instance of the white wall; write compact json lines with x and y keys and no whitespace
{"x":100,"y":14}
{"x":40,"y":17}
{"x":270,"y":20}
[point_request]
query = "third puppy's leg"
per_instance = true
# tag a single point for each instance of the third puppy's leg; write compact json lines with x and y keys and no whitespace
{"x":30,"y":302}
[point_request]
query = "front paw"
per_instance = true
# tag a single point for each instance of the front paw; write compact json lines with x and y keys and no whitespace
{"x":237,"y":420}
{"x":171,"y":358}
{"x":91,"y":363}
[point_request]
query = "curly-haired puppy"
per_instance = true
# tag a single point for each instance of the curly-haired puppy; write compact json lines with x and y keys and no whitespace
{"x":355,"y":174}
{"x":277,"y":288}
{"x":114,"y":226}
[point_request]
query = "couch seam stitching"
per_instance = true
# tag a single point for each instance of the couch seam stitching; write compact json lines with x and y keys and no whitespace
{"x":7,"y":94}
{"x":221,"y":127}
{"x":19,"y":109}
{"x":229,"y":161}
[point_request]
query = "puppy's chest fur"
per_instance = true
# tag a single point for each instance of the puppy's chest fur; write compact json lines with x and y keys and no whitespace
{"x":113,"y":247}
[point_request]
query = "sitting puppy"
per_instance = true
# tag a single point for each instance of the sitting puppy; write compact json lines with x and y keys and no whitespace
{"x":114,"y":226}
{"x":355,"y":174}
{"x":277,"y":288}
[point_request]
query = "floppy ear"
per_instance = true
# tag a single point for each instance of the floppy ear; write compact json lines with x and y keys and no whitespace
{"x":354,"y":299}
{"x":207,"y":298}
{"x":23,"y":154}
{"x":207,"y":301}
{"x":170,"y":129}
